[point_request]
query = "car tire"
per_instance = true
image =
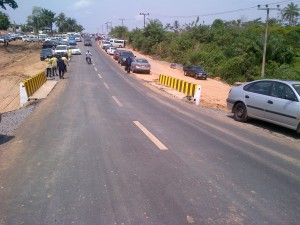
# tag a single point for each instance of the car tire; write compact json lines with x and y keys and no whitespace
{"x":240,"y":112}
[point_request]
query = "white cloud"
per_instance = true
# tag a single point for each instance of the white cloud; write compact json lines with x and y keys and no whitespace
{"x":82,"y":4}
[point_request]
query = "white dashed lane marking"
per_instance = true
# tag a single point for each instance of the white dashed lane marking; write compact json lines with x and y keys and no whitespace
{"x":160,"y":145}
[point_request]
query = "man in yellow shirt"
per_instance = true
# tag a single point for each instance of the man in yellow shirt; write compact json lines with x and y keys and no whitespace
{"x":69,"y":54}
{"x":48,"y":67}
{"x":54,"y":66}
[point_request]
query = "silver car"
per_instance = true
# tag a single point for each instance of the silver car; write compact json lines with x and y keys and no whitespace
{"x":140,"y":65}
{"x":274,"y":101}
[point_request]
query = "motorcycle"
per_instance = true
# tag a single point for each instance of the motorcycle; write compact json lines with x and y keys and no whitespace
{"x":88,"y":60}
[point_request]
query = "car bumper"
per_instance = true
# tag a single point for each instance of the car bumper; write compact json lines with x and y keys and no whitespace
{"x":141,"y":69}
{"x":230,"y":103}
{"x":201,"y":76}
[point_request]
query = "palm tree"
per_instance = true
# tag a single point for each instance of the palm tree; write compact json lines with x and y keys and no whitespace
{"x":34,"y":20}
{"x":291,"y":13}
{"x":71,"y":24}
{"x":60,"y":20}
{"x":48,"y":18}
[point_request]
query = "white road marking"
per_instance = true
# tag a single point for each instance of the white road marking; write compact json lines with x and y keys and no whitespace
{"x":106,"y":85}
{"x":96,"y":69}
{"x":99,"y":76}
{"x":117,"y":101}
{"x":160,"y":145}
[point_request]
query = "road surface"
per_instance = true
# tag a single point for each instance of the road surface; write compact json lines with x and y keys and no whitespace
{"x":104,"y":148}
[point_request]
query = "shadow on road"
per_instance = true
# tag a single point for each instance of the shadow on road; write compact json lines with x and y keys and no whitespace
{"x":273,"y":128}
{"x":5,"y":138}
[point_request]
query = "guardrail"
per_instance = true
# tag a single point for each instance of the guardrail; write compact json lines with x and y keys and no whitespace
{"x":31,"y":85}
{"x":179,"y":85}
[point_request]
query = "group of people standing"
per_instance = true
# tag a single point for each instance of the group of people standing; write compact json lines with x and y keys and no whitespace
{"x":57,"y":62}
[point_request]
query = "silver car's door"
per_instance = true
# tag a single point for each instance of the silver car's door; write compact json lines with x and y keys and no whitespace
{"x":255,"y":98}
{"x":283,"y":106}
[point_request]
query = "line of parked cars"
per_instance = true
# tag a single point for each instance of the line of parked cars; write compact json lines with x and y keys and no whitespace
{"x":138,"y":65}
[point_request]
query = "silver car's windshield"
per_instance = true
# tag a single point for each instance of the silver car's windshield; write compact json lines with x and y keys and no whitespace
{"x":297,"y":88}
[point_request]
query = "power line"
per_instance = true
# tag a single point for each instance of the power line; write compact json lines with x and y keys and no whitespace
{"x":225,"y":12}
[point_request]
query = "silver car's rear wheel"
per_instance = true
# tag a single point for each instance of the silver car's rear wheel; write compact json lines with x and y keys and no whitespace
{"x":240,"y":112}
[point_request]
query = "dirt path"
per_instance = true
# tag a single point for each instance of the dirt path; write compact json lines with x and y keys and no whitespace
{"x":18,"y":61}
{"x":214,"y":91}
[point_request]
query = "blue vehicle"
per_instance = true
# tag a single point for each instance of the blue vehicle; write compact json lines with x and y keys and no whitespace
{"x":72,"y":40}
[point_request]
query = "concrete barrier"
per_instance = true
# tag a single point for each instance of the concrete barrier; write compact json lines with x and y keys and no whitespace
{"x":31,"y":85}
{"x":179,"y":85}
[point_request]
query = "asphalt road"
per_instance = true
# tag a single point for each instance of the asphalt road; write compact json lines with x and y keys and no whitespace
{"x":104,"y":148}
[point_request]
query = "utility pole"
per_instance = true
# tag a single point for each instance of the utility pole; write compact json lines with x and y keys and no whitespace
{"x":106,"y":26}
{"x":144,"y":14}
{"x":122,"y":21}
{"x":266,"y":36}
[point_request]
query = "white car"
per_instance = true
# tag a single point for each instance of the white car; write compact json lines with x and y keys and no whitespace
{"x":75,"y":50}
{"x":271,"y":100}
{"x":61,"y":49}
{"x":111,"y":50}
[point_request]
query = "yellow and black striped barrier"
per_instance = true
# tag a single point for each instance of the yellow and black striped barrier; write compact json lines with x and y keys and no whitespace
{"x":179,"y":85}
{"x":33,"y":83}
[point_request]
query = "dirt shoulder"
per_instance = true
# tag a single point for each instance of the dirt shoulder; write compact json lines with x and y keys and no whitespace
{"x":214,"y":91}
{"x":18,"y":61}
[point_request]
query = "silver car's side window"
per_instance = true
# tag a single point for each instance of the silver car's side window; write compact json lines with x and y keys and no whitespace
{"x":263,"y":87}
{"x":283,"y":91}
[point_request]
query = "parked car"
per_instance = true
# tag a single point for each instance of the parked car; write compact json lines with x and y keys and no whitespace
{"x":87,"y":42}
{"x":111,"y":50}
{"x":116,"y":54}
{"x":123,"y":55}
{"x":50,"y":44}
{"x":3,"y":39}
{"x":105,"y":44}
{"x":75,"y":50}
{"x":195,"y":71}
{"x":274,"y":101}
{"x":25,"y":38}
{"x":140,"y":65}
{"x":45,"y":53}
{"x":61,"y":49}
{"x":33,"y":38}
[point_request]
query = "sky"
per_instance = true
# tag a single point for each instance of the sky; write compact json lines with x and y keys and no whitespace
{"x":93,"y":15}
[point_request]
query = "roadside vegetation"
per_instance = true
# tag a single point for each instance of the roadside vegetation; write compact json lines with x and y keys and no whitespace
{"x":231,"y":50}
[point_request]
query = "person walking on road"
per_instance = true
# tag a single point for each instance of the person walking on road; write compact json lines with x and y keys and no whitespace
{"x":69,"y":54}
{"x":48,"y":67}
{"x":54,"y":66}
{"x":64,"y":58}
{"x":61,"y":67}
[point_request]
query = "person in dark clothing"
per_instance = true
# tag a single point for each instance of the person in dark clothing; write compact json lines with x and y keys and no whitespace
{"x":61,"y":67}
{"x":128,"y":62}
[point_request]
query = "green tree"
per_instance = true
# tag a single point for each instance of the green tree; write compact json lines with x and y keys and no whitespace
{"x":120,"y":32}
{"x":60,"y":20}
{"x":47,"y":18}
{"x":291,"y":13}
{"x":11,"y":3}
{"x":34,"y":20}
{"x":4,"y":21}
{"x":71,"y":24}
{"x":154,"y":33}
